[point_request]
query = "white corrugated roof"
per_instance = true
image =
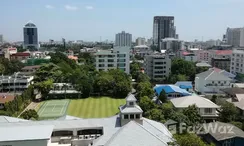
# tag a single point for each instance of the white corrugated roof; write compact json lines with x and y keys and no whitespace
{"x":200,"y":102}
{"x":6,"y":119}
{"x":16,"y":133}
{"x":134,"y":134}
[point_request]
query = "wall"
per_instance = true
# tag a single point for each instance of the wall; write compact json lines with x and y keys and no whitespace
{"x":25,"y":143}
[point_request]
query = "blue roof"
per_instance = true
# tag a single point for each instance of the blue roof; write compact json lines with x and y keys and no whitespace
{"x":184,"y":84}
{"x":170,"y":89}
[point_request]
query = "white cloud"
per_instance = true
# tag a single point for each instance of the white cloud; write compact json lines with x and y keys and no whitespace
{"x":89,"y":7}
{"x":70,"y":8}
{"x":49,"y":7}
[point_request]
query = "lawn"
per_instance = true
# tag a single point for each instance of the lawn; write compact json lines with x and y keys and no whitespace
{"x":94,"y":107}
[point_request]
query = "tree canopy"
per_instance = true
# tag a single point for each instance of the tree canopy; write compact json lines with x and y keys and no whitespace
{"x":228,"y":112}
{"x":30,"y":114}
{"x":192,"y":114}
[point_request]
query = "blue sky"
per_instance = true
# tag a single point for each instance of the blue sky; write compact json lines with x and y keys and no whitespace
{"x":90,"y":19}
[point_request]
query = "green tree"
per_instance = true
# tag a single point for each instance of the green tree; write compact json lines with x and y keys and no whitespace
{"x":146,"y":103}
{"x":144,"y":89}
{"x":214,"y":98}
{"x":30,"y":114}
{"x":228,"y":112}
{"x":142,"y":78}
{"x":190,"y":140}
{"x":155,"y":114}
{"x":44,"y":87}
{"x":162,"y":96}
{"x":193,"y":115}
{"x":135,"y":69}
{"x":2,"y":69}
{"x":167,"y":110}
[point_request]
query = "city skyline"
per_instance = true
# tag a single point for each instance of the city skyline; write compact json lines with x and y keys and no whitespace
{"x":90,"y":20}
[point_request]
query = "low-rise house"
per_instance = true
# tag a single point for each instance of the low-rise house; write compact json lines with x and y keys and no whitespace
{"x":63,"y":90}
{"x":15,"y":83}
{"x":21,"y":56}
{"x":232,"y":92}
{"x":238,"y":101}
{"x":171,"y":91}
{"x":73,"y":58}
{"x":187,"y":85}
{"x":211,"y":81}
{"x":207,"y":109}
{"x":238,"y":85}
{"x":223,"y":134}
{"x":4,"y":98}
{"x":29,"y":70}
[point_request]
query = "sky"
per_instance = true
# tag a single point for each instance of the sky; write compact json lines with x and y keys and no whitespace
{"x":92,"y":20}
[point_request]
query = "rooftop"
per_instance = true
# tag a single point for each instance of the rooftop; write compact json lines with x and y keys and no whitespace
{"x":223,"y":52}
{"x":6,"y":97}
{"x":184,"y":84}
{"x":233,"y":91}
{"x":199,"y":101}
{"x":203,"y":64}
{"x":235,"y":132}
{"x":17,"y":133}
{"x":212,"y":74}
{"x":170,"y":89}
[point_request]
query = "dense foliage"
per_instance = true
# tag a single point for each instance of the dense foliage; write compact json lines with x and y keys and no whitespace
{"x":228,"y":112}
{"x":30,"y":114}
{"x":190,"y":140}
{"x":9,"y":67}
{"x":83,"y":77}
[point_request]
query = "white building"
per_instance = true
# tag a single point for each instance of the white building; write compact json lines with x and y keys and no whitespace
{"x":237,"y":61}
{"x":123,"y":39}
{"x":140,"y":41}
{"x":235,"y":37}
{"x":157,"y":66}
{"x":142,"y":50}
{"x":16,"y":82}
{"x":211,"y":81}
{"x":206,"y":108}
{"x":119,"y":57}
{"x":128,"y":128}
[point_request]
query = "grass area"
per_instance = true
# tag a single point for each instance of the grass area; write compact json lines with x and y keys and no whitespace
{"x":38,"y":106}
{"x":53,"y":109}
{"x":94,"y":107}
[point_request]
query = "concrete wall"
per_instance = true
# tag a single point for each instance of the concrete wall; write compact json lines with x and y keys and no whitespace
{"x":25,"y":143}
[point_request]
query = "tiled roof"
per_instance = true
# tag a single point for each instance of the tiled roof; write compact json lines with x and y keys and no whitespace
{"x":223,"y":52}
{"x":6,"y":97}
{"x":21,"y":54}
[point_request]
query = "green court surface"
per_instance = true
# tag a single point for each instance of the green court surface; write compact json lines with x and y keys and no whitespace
{"x":97,"y":107}
{"x":53,"y":109}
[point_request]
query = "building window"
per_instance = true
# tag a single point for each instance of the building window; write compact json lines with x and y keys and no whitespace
{"x":208,"y":110}
{"x":219,"y":82}
{"x":131,"y":103}
{"x":131,"y":116}
{"x":101,"y":60}
{"x":213,"y":82}
{"x":126,"y":117}
{"x":110,"y":65}
{"x":137,"y":116}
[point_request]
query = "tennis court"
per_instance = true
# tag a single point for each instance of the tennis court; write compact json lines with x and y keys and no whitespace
{"x":53,"y":109}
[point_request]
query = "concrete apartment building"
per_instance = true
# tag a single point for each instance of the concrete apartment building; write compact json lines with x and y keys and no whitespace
{"x":119,"y":58}
{"x":140,"y":41}
{"x":30,"y":36}
{"x":15,"y":83}
{"x":157,"y":66}
{"x":123,"y":39}
{"x":163,"y":27}
{"x":237,"y":61}
{"x":235,"y":37}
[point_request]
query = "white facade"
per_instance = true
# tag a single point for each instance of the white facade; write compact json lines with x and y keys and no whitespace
{"x":16,"y":82}
{"x":237,"y":61}
{"x":118,"y":58}
{"x":157,"y":66}
{"x":235,"y":37}
{"x":142,"y":50}
{"x":123,"y":39}
{"x":140,"y":41}
{"x":211,"y":81}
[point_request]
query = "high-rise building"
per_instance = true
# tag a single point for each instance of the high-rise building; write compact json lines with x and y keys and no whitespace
{"x":237,"y":61}
{"x":140,"y":41}
{"x":163,"y":27}
{"x":1,"y":38}
{"x":235,"y":37}
{"x":30,"y":36}
{"x":123,"y":39}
